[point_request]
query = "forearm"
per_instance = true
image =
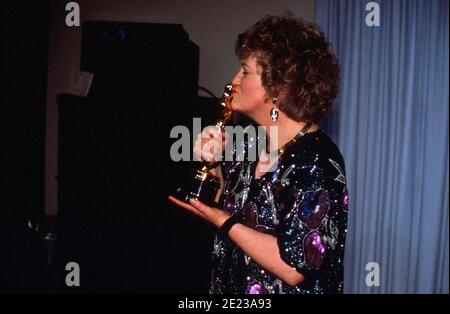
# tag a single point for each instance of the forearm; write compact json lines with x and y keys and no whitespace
{"x":263,"y":249}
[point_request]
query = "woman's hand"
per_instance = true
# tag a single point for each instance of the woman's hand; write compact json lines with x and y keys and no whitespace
{"x":213,"y":215}
{"x":208,"y":147}
{"x":210,"y":144}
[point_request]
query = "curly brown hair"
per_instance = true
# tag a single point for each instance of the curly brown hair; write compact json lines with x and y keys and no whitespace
{"x":296,"y":64}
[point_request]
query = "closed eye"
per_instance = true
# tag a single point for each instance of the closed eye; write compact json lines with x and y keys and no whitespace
{"x":244,"y":68}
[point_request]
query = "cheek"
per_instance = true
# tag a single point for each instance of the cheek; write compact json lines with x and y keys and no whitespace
{"x":247,"y":86}
{"x":253,"y":89}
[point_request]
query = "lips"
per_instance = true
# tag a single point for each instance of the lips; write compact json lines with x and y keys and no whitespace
{"x":232,"y":101}
{"x":232,"y":97}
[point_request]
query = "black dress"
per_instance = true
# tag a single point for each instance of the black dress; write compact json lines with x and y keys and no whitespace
{"x":303,"y":202}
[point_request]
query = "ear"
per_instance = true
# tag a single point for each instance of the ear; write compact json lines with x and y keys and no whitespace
{"x":268,"y":99}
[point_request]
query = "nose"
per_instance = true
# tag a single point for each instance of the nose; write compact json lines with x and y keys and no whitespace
{"x":236,"y":79}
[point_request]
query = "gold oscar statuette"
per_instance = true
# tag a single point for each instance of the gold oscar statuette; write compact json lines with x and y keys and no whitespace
{"x":204,"y":185}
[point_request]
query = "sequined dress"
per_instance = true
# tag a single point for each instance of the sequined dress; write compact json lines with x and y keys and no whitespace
{"x":303,"y":202}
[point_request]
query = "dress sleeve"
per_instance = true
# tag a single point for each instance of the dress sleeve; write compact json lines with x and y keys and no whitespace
{"x":310,"y":202}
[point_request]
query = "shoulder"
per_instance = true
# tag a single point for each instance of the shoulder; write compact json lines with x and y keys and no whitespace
{"x":316,"y":152}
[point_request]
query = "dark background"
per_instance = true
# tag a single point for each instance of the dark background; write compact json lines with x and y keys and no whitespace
{"x":24,"y":38}
{"x":114,"y":168}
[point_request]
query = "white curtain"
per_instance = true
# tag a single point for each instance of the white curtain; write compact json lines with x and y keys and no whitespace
{"x":391,"y":122}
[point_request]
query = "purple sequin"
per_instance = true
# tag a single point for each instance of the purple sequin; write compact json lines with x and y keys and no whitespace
{"x":256,"y":288}
{"x":314,"y":207}
{"x":229,"y":202}
{"x":314,"y":249}
{"x":345,"y":200}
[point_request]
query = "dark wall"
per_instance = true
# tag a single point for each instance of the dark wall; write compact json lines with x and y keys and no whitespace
{"x":135,"y":241}
{"x":24,"y":38}
{"x":114,"y":167}
{"x":24,"y":45}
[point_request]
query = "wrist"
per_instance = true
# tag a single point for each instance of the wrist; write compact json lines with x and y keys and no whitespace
{"x":228,"y":224}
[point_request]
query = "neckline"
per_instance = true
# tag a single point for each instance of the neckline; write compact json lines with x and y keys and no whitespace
{"x":297,"y":137}
{"x":286,"y":146}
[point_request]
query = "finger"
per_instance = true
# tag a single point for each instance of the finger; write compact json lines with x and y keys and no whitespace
{"x":181,"y":203}
{"x":186,"y":206}
{"x":218,"y":136}
{"x":201,"y":207}
{"x":207,"y":156}
{"x":212,"y":131}
{"x":207,"y":132}
{"x":211,"y":134}
{"x":213,"y":147}
{"x":201,"y":151}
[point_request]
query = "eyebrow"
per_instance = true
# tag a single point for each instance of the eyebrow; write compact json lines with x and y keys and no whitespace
{"x":243,"y":64}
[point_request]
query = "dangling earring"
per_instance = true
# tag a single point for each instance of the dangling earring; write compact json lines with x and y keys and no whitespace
{"x":274,"y":110}
{"x":274,"y":114}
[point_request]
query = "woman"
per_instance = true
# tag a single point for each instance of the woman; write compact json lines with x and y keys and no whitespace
{"x":281,"y":231}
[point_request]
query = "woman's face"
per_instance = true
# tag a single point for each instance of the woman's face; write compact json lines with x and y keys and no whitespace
{"x":249,"y":97}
